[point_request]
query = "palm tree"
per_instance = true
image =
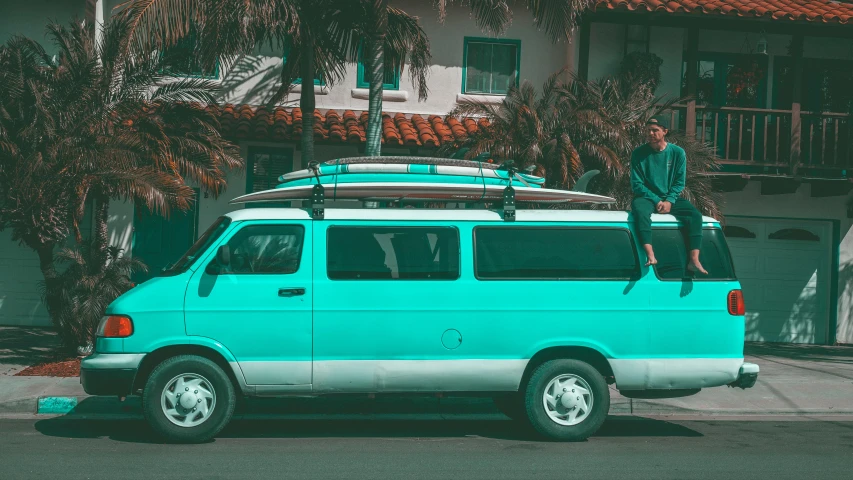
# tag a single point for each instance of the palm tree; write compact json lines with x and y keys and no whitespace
{"x":389,"y":35}
{"x":557,"y":17}
{"x":92,"y":124}
{"x":335,"y":28}
{"x":320,"y":36}
{"x":386,"y":40}
{"x":576,"y":126}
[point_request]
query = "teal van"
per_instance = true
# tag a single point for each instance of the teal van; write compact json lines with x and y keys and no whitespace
{"x":542,"y":313}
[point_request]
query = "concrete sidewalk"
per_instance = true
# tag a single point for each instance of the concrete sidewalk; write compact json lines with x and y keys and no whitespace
{"x":21,"y":347}
{"x":794,"y":380}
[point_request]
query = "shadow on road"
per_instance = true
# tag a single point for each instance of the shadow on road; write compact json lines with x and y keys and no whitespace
{"x":137,"y":431}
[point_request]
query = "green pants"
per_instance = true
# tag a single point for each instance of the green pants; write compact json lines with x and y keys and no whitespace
{"x":683,"y":210}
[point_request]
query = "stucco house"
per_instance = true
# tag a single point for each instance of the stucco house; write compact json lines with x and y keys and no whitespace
{"x":770,"y":82}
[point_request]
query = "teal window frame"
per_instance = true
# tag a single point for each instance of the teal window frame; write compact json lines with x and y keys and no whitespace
{"x":192,"y":73}
{"x":298,"y":81}
{"x":361,"y":80}
{"x":496,"y":41}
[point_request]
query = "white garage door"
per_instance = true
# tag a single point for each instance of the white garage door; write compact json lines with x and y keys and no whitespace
{"x":784,"y":268}
{"x":20,"y":297}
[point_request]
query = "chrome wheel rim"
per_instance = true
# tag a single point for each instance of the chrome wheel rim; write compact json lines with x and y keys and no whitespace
{"x":188,"y":400}
{"x":568,"y":399}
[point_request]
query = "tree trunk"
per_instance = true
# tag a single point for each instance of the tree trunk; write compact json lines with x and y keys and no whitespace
{"x":100,"y":238}
{"x":307,"y":105}
{"x":52,"y":300}
{"x":374,"y":70}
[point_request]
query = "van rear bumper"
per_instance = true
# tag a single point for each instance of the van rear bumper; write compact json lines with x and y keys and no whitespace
{"x":109,"y":373}
{"x":747,"y":376}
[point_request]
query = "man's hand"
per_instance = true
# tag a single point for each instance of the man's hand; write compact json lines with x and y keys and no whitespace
{"x":664,"y":207}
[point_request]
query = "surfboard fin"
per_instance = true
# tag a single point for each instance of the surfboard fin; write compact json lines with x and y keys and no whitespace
{"x":583,"y":183}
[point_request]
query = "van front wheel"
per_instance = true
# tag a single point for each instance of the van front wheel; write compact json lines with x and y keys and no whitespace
{"x":567,"y":400}
{"x":188,"y":399}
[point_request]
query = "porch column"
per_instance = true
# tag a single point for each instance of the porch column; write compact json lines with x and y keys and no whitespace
{"x":571,"y":56}
{"x":797,"y":41}
{"x":583,"y":50}
{"x":692,"y":78}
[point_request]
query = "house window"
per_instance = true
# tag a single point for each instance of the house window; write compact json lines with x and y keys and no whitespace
{"x":797,"y":234}
{"x":729,"y":80}
{"x":825,"y":84}
{"x":298,"y":81}
{"x":637,"y":38}
{"x":490,"y":66}
{"x":265,"y":165}
{"x":182,"y":60}
{"x":732,"y":231}
{"x":391,"y":81}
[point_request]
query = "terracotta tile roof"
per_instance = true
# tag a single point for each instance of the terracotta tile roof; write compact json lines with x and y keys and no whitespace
{"x":248,"y":122}
{"x":826,"y":11}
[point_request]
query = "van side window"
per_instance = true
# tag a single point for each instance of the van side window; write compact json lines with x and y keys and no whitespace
{"x":671,"y":250}
{"x":549,"y":253}
{"x":393,"y":253}
{"x":266,"y":249}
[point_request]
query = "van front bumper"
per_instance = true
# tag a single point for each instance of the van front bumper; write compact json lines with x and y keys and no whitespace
{"x":746,"y":377}
{"x":109,"y":373}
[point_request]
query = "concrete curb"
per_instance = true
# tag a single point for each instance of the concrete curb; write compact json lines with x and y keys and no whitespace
{"x":418,"y":408}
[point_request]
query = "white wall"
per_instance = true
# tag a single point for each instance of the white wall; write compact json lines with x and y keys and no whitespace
{"x":253,"y":79}
{"x":20,"y":297}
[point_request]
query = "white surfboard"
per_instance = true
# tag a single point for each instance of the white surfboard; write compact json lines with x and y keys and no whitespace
{"x":445,"y":192}
{"x":415,"y":169}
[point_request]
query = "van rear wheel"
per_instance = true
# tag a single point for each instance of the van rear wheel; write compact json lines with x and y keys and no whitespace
{"x":567,"y":400}
{"x":188,"y":399}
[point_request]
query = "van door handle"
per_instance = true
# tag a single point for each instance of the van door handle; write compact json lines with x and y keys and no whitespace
{"x":290,"y":292}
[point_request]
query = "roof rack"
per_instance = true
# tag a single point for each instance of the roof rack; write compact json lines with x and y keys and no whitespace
{"x":318,"y":194}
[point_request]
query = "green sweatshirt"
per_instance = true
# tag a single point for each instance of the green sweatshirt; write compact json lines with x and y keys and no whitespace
{"x":658,"y":175}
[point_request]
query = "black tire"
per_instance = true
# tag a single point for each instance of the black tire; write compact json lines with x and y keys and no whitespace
{"x":535,"y":406}
{"x":218,"y":380}
{"x":512,"y":405}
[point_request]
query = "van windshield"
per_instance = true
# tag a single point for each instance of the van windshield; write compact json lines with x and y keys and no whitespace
{"x":199,"y":247}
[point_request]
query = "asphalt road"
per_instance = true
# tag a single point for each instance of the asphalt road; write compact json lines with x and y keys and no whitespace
{"x":626,"y":447}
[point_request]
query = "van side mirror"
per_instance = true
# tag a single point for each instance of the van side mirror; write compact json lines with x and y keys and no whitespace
{"x":222,"y":259}
{"x":223,"y":256}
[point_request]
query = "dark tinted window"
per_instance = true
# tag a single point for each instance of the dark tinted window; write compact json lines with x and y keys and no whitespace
{"x":393,"y":253}
{"x":671,"y":251}
{"x":266,"y":249}
{"x":553,"y":253}
{"x":200,"y":246}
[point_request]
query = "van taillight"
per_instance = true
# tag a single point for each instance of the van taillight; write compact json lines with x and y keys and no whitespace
{"x":736,"y":305}
{"x":115,"y":326}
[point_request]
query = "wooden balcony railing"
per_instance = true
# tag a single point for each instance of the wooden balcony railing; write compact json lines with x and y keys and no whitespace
{"x":772,"y":138}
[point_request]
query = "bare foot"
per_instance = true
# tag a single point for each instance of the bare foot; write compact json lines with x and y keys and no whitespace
{"x":695,"y":266}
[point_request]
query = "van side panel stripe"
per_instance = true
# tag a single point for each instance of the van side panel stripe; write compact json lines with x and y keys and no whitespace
{"x":418,"y":375}
{"x":480,"y":375}
{"x":674,"y":373}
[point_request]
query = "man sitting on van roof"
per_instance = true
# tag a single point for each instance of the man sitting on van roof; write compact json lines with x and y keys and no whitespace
{"x":658,"y":174}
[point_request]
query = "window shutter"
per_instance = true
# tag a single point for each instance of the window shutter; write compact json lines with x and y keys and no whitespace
{"x":267,"y":166}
